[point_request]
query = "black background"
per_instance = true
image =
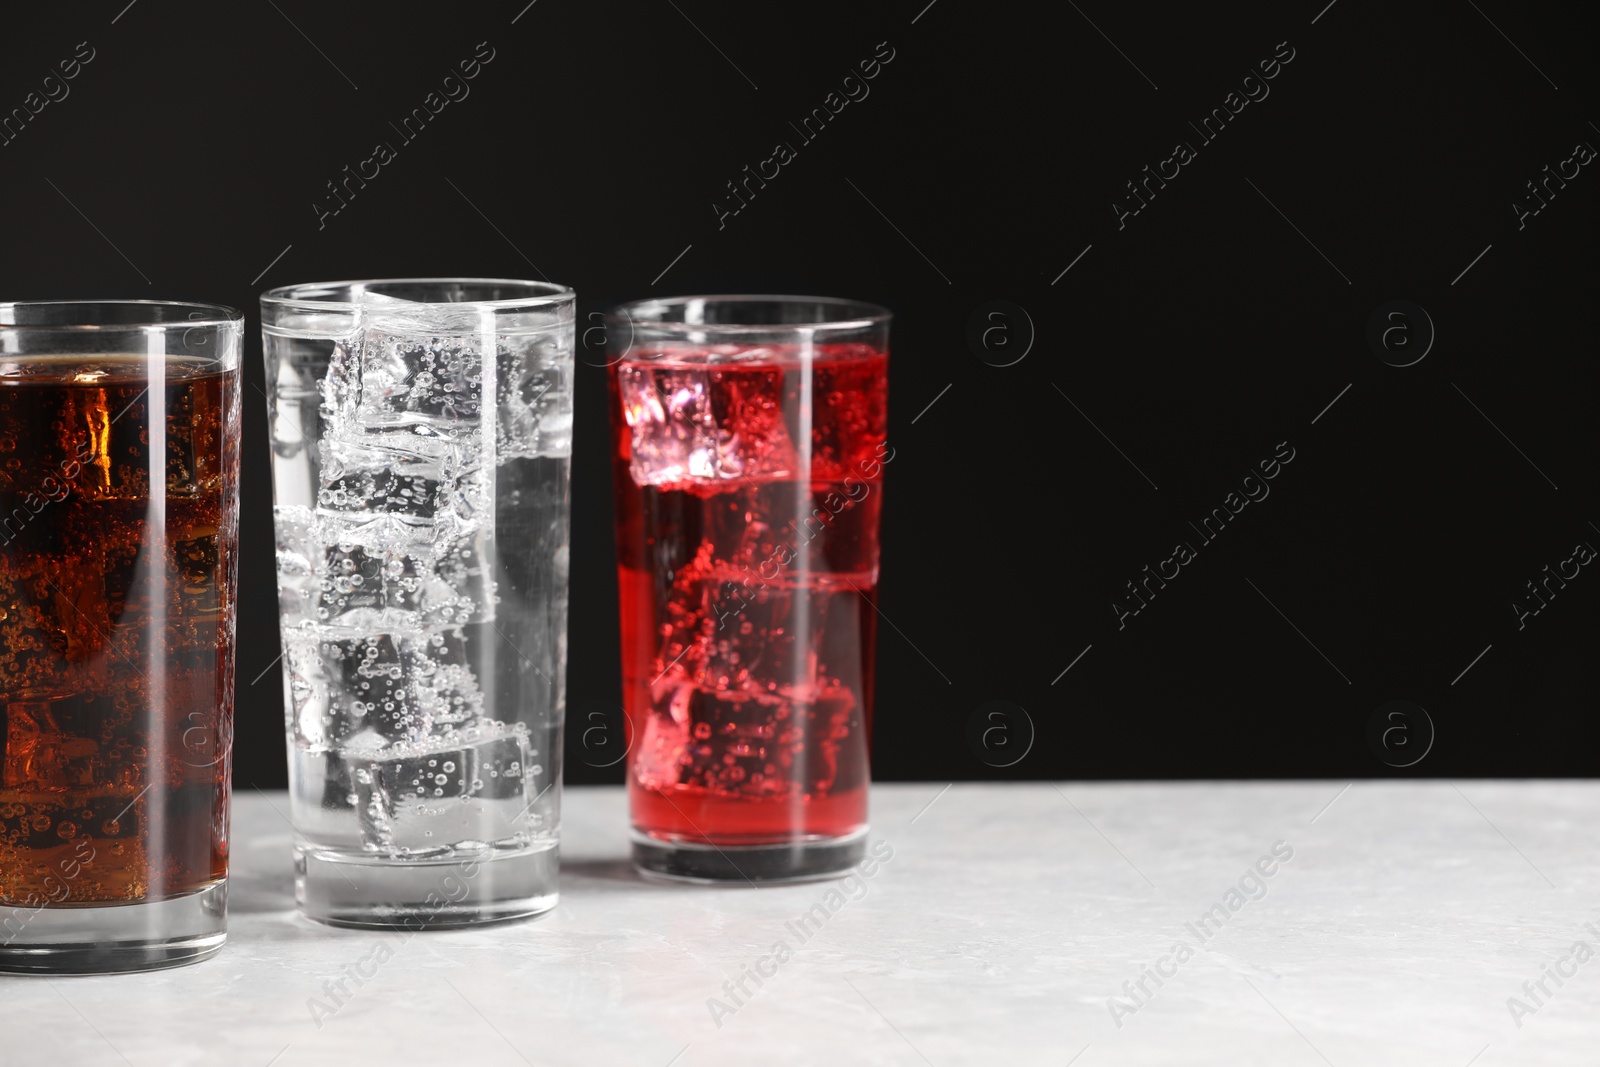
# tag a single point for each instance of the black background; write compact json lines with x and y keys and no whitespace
{"x":986,"y":159}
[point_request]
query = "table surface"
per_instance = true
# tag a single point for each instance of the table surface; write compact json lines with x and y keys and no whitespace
{"x":1396,"y":925}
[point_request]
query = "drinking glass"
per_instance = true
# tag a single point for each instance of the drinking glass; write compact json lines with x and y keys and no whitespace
{"x":119,"y":431}
{"x":421,"y":437}
{"x":749,"y":447}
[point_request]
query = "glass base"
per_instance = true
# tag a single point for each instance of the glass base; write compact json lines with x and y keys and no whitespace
{"x":804,"y":860}
{"x":116,"y":938}
{"x":370,"y":891}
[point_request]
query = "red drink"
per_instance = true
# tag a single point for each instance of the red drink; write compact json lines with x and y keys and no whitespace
{"x":748,"y":492}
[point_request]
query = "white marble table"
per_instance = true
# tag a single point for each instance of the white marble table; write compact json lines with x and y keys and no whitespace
{"x":1006,"y":919}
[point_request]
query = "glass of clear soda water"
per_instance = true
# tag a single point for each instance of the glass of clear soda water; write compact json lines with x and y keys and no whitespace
{"x":421,"y":442}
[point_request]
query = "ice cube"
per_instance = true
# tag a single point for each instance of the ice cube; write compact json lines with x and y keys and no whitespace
{"x":340,"y":384}
{"x":383,"y":378}
{"x":372,"y":573}
{"x":705,"y":424}
{"x":421,"y":469}
{"x":392,"y":687}
{"x":729,"y":632}
{"x":383,"y":476}
{"x":748,"y":738}
{"x":343,"y":687}
{"x":318,"y":715}
{"x":461,"y":588}
{"x":297,"y":569}
{"x":369,"y":589}
{"x":431,"y":376}
{"x":467,"y":787}
{"x":534,"y":395}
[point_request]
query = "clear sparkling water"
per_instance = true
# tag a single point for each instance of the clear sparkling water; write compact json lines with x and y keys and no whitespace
{"x":420,"y":462}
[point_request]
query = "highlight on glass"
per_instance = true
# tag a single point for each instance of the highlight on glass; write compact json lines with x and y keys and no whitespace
{"x":119,"y":431}
{"x":749,"y":446}
{"x":421,"y":438}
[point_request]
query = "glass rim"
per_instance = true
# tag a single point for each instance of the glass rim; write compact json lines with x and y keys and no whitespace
{"x":866,"y":314}
{"x":217,"y":315}
{"x":541,"y":294}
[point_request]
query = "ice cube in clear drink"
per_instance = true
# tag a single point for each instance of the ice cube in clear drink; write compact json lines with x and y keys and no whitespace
{"x":392,"y":474}
{"x":297,"y":573}
{"x":534,"y":396}
{"x":447,"y":792}
{"x":401,"y":371}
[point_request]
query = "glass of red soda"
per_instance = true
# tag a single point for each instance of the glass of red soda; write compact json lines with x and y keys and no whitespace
{"x":750,"y":439}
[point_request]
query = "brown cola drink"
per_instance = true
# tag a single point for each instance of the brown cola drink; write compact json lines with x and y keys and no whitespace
{"x":117,"y":577}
